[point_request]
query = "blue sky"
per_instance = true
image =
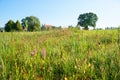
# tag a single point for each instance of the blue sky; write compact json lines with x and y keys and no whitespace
{"x":61,"y":12}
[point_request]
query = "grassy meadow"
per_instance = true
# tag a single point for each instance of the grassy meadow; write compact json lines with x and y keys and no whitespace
{"x":66,"y":54}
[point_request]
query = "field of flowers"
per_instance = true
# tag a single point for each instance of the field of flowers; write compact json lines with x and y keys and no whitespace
{"x":66,"y":54}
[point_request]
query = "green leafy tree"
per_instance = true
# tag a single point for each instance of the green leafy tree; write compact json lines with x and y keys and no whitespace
{"x":18,"y":26}
{"x":24,"y":24}
{"x":9,"y":26}
{"x":31,"y":23}
{"x":87,"y":19}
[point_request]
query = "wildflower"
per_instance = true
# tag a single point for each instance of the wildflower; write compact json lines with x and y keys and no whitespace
{"x":33,"y":52}
{"x":44,"y":52}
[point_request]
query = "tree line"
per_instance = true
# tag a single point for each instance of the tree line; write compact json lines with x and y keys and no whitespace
{"x":32,"y":23}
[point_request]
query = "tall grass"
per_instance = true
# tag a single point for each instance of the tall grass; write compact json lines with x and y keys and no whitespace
{"x":68,"y":54}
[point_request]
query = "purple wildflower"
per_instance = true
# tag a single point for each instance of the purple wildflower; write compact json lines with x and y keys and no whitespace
{"x":44,"y":52}
{"x":33,"y":52}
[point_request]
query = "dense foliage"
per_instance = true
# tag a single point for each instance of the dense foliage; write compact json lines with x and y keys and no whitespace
{"x":18,"y":26}
{"x":9,"y":26}
{"x":12,"y":26}
{"x":60,"y":55}
{"x":87,"y":19}
{"x":31,"y":23}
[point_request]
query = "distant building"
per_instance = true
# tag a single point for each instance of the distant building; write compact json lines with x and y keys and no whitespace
{"x":46,"y":27}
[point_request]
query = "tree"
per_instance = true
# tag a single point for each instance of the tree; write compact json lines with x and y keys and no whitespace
{"x":87,"y":19}
{"x":31,"y":23}
{"x":1,"y":29}
{"x":43,"y":27}
{"x":18,"y":26}
{"x":9,"y":25}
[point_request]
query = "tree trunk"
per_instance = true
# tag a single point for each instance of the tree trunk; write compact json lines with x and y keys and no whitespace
{"x":86,"y":28}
